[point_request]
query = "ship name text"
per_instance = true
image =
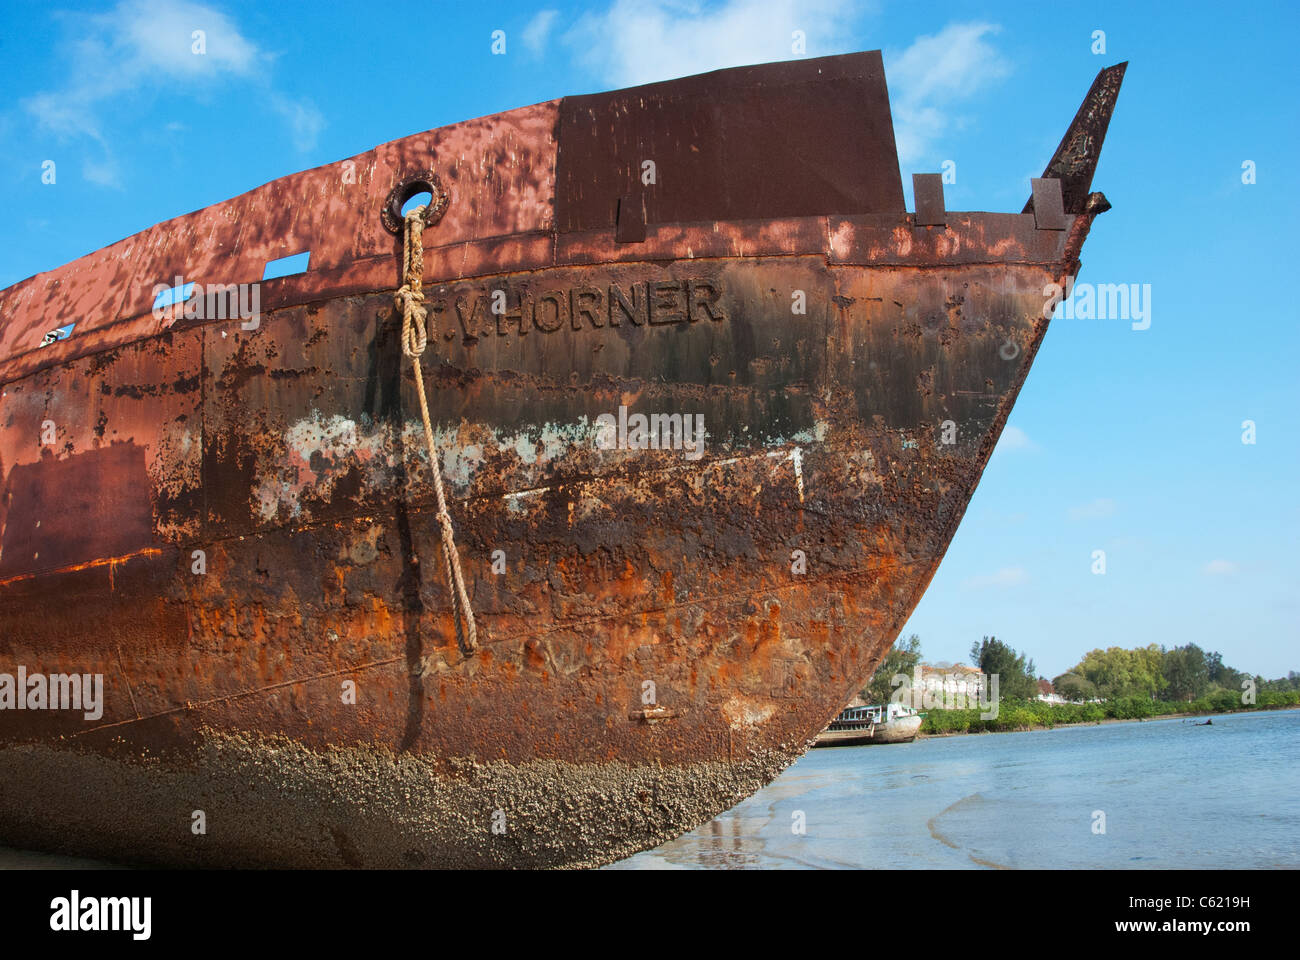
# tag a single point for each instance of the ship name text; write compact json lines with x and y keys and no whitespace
{"x":506,"y":310}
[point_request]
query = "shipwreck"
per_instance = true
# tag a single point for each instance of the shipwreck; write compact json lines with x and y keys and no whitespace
{"x":560,"y":639}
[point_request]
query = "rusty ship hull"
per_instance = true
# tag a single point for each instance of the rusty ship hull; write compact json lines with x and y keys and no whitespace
{"x":231,"y":520}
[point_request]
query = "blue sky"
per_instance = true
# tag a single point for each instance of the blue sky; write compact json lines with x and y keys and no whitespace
{"x":1124,"y":441}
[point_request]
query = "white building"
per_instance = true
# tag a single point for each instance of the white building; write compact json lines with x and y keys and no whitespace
{"x":953,"y":683}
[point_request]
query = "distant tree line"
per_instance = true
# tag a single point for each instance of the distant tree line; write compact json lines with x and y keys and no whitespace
{"x":1185,"y":673}
{"x":1179,"y":674}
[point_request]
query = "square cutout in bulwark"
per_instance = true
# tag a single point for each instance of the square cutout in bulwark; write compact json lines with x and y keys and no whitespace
{"x":286,"y":266}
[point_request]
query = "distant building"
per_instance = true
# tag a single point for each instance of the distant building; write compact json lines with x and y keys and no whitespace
{"x":952,"y":681}
{"x":1047,"y":693}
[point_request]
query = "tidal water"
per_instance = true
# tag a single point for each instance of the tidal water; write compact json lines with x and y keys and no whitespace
{"x":1172,"y":795}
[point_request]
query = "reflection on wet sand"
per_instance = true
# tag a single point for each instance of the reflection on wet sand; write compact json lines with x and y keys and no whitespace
{"x":728,"y":846}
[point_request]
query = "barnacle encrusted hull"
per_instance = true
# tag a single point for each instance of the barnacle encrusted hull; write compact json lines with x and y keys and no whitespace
{"x":231,"y":521}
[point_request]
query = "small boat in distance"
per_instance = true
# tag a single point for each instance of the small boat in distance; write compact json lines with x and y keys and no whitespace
{"x":852,"y":727}
{"x":859,"y":724}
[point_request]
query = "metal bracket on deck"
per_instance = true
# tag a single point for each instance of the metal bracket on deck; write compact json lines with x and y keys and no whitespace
{"x":1049,"y":204}
{"x":927,"y":190}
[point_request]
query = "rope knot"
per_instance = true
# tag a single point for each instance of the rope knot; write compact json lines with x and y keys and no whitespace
{"x":415,"y":334}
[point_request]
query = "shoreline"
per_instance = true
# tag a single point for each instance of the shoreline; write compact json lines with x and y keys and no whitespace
{"x":1036,"y":728}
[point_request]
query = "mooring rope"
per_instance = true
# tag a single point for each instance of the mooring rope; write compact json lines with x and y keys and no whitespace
{"x":415,"y":336}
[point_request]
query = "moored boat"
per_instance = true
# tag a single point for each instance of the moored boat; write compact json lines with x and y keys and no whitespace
{"x":853,"y":726}
{"x":706,"y":428}
{"x":861,"y":724}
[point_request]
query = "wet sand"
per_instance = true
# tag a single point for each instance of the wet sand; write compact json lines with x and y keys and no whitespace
{"x":11,"y":859}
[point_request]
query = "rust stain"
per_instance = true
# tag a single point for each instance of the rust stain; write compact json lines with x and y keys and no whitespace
{"x":88,"y":565}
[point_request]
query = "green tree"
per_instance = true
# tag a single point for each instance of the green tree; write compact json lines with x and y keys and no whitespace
{"x":1117,"y":672}
{"x":1073,"y":686}
{"x":902,"y":657}
{"x":1214,"y":666}
{"x":1222,"y":676}
{"x":1017,"y":678}
{"x":1186,"y":673}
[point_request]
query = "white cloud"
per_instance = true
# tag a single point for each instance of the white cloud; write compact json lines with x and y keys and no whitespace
{"x":1219,"y":568}
{"x":106,"y":173}
{"x":158,"y":36}
{"x":305,"y":121}
{"x":147,"y":46}
{"x":1096,"y":510}
{"x":641,"y":41}
{"x":1005,"y":577}
{"x":538,"y":30}
{"x":1013,"y":438}
{"x":933,"y":75}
